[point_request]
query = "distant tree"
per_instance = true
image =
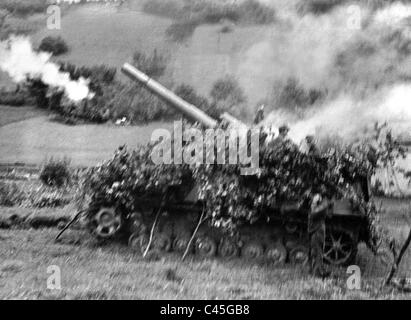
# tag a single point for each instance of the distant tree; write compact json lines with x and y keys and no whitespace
{"x":54,"y":45}
{"x":293,"y":97}
{"x":154,"y":65}
{"x":227,"y":91}
{"x":189,"y":94}
{"x":3,"y":17}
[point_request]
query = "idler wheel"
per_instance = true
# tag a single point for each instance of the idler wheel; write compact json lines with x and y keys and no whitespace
{"x":107,"y":223}
{"x":299,"y":255}
{"x":162,"y":242}
{"x":252,"y":250}
{"x":205,"y":246}
{"x":228,"y":248}
{"x":138,"y":242}
{"x":276,"y":253}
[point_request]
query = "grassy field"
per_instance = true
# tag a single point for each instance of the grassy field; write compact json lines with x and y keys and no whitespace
{"x":107,"y":34}
{"x":28,"y":135}
{"x":112,"y":271}
{"x":15,"y":114}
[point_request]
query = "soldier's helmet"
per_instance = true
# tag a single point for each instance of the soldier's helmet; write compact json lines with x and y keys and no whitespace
{"x":310,"y":138}
{"x":283,"y":129}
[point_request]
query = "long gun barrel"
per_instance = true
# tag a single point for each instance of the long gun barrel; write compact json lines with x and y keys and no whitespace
{"x":189,"y":110}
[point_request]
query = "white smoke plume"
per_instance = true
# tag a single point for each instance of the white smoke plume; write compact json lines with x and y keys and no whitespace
{"x":20,"y":61}
{"x":365,"y":71}
{"x":349,"y":118}
{"x":393,"y":14}
{"x":297,"y":47}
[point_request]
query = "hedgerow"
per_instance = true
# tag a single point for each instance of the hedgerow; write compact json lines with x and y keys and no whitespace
{"x":114,"y":99}
{"x":189,"y":15}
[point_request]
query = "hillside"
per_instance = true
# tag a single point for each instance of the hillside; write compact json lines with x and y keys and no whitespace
{"x":27,"y":135}
{"x":109,"y":35}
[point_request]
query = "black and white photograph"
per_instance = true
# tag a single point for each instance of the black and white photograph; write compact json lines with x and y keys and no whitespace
{"x":205,"y":155}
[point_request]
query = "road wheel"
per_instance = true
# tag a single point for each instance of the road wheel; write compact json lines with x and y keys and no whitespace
{"x":180,"y":243}
{"x":299,"y":255}
{"x":205,"y":246}
{"x":228,"y":248}
{"x":276,"y":253}
{"x":252,"y":250}
{"x":162,"y":242}
{"x":340,"y":248}
{"x":138,"y":242}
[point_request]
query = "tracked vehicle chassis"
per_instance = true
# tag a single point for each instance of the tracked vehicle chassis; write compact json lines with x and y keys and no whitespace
{"x":281,"y":238}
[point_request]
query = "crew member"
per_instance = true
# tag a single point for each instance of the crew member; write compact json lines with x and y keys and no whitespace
{"x":282,"y":134}
{"x":312,"y":148}
{"x":282,"y":139}
{"x":316,"y":233}
{"x":259,"y":116}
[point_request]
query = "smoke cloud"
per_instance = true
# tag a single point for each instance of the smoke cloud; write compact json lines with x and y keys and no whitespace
{"x":21,"y":62}
{"x":365,"y":69}
{"x":350,"y":118}
{"x":303,"y":48}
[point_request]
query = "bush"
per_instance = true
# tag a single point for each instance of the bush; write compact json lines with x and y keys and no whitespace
{"x":165,"y":8}
{"x":189,"y":94}
{"x":226,"y":29}
{"x":294,"y":97}
{"x":101,"y":82}
{"x":227,"y":88}
{"x":38,"y":91}
{"x":319,"y":6}
{"x":15,"y":98}
{"x":193,"y":13}
{"x":10,"y":194}
{"x":54,"y":45}
{"x":96,"y":74}
{"x":153,"y":65}
{"x":181,"y":30}
{"x":56,"y":172}
{"x":252,"y":11}
{"x":24,"y":7}
{"x":226,"y":94}
{"x":100,"y":77}
{"x":248,"y":11}
{"x":139,"y":105}
{"x":10,"y":25}
{"x":113,"y":99}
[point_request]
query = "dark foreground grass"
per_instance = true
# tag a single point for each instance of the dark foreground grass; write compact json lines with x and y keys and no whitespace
{"x":89,"y":271}
{"x":94,"y":271}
